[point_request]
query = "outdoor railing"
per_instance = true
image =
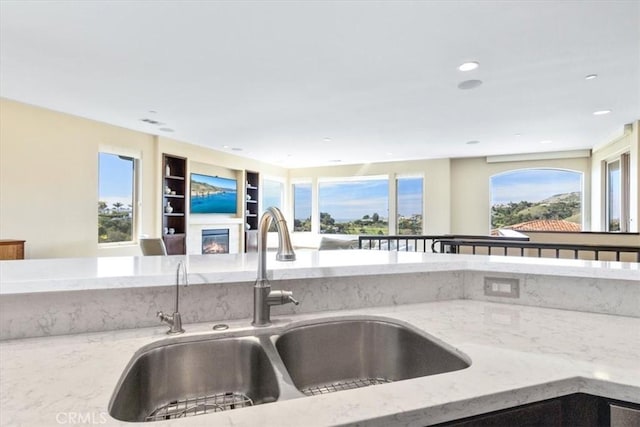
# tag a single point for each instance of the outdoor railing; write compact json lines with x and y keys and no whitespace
{"x":536,"y":249}
{"x":419,"y":242}
{"x":494,"y":245}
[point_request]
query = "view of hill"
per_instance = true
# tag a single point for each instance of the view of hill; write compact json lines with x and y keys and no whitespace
{"x":201,"y":188}
{"x":559,"y":206}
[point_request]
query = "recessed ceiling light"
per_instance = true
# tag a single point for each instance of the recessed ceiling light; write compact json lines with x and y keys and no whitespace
{"x":335,"y":161}
{"x":151,"y":121}
{"x":327,"y":140}
{"x":601,"y":112}
{"x":469,"y":84}
{"x":590,"y":76}
{"x":236,"y":149}
{"x":225,"y":146}
{"x":468,"y":66}
{"x":153,"y":111}
{"x":166,"y":129}
{"x":389,"y":154}
{"x":472,"y":142}
{"x":518,"y":135}
{"x":546,"y":141}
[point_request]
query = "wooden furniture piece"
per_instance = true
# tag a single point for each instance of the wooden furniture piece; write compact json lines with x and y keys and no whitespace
{"x":174,"y":204}
{"x":251,"y":212}
{"x":11,"y":249}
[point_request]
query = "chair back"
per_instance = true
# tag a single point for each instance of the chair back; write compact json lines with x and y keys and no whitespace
{"x":153,"y":247}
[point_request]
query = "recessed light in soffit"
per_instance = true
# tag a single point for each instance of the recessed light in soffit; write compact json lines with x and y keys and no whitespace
{"x":468,"y":66}
{"x":472,"y":142}
{"x":601,"y":112}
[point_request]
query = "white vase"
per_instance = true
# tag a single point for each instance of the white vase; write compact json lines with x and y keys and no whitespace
{"x":167,"y":170}
{"x":168,"y":208}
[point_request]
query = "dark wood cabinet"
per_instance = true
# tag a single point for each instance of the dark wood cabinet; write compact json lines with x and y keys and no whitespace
{"x":578,"y":409}
{"x":174,"y":204}
{"x":252,"y":211}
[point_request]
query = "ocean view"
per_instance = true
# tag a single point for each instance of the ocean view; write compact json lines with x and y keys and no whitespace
{"x":214,"y":203}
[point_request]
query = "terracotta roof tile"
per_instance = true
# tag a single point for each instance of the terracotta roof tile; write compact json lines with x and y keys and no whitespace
{"x":546,"y":225}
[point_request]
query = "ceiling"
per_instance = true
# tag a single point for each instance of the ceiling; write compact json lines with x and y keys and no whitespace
{"x":309,"y":83}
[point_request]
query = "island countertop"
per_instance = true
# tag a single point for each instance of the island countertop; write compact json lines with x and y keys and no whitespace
{"x":73,"y":274}
{"x":519,"y":355}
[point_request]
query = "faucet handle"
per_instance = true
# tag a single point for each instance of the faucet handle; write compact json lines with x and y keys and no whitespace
{"x":281,"y":297}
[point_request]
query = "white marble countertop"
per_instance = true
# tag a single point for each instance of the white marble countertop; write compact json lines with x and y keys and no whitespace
{"x":69,"y":274}
{"x":519,"y":355}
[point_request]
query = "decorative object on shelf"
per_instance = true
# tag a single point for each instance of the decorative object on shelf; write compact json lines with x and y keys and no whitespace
{"x":248,"y":196}
{"x":167,"y":190}
{"x":166,"y":230}
{"x":167,"y":170}
{"x":173,"y":193}
{"x":168,"y":208}
{"x":172,"y":230}
{"x":247,"y":226}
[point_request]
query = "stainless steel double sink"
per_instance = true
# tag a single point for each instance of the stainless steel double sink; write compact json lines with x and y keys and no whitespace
{"x":194,"y":375}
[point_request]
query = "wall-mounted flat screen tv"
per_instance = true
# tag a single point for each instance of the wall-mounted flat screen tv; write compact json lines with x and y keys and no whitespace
{"x":212,"y":194}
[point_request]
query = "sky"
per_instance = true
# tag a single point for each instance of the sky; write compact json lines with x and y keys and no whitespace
{"x":115,"y":179}
{"x":354,"y":199}
{"x":533,"y":185}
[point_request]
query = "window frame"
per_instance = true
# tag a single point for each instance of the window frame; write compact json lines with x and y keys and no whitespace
{"x":282,"y":184}
{"x":583,"y":220}
{"x":308,"y":182}
{"x":357,"y":178}
{"x":624,"y":192}
{"x":397,"y":201}
{"x":136,"y":205}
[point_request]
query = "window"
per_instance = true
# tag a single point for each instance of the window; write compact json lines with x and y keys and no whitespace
{"x":116,"y":198}
{"x":617,"y":201}
{"x":536,"y":200}
{"x":409,"y":205}
{"x":272,"y":194}
{"x":302,"y":207}
{"x":354,"y":206}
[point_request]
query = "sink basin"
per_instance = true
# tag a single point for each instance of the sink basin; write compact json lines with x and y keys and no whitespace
{"x":189,"y":378}
{"x":196,"y":375}
{"x":342,"y":355}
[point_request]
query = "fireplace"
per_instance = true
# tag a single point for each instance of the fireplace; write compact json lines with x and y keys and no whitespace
{"x":215,"y":241}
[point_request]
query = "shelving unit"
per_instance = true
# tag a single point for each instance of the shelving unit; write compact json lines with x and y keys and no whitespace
{"x":251,"y":211}
{"x":174,"y":190}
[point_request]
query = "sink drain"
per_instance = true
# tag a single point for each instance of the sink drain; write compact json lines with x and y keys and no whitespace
{"x":200,"y":405}
{"x":343,"y":385}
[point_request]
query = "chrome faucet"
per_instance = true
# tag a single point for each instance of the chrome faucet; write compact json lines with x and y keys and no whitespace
{"x":263,"y":296}
{"x":175,"y":320}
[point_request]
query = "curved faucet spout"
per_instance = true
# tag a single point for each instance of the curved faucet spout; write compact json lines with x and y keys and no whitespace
{"x":285,"y":248}
{"x":263,"y":296}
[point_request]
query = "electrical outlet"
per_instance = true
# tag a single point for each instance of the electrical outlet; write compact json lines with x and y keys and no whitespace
{"x":502,"y":287}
